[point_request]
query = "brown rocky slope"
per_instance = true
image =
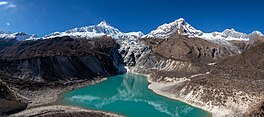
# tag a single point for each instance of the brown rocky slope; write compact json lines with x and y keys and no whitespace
{"x":230,"y":86}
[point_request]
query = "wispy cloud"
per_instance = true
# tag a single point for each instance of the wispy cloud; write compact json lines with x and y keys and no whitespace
{"x":3,"y":3}
{"x":7,"y":5}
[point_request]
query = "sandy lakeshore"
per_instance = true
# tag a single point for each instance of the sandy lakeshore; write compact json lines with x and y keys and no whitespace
{"x":49,"y":95}
{"x":158,"y":87}
{"x":60,"y":110}
{"x":42,"y":102}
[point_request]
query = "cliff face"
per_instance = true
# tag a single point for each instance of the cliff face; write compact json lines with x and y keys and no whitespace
{"x":61,"y":59}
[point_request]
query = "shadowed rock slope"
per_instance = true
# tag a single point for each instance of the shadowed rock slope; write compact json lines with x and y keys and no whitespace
{"x":61,"y":59}
{"x":6,"y":43}
{"x":8,"y":99}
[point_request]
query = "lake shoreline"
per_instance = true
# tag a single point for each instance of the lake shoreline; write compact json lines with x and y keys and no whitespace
{"x":153,"y":86}
{"x":54,"y":95}
{"x":46,"y":99}
{"x":157,"y":88}
{"x":58,"y":110}
{"x":120,"y":88}
{"x":48,"y":96}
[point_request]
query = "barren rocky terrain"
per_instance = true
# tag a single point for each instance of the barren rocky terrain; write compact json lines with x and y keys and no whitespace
{"x":213,"y":77}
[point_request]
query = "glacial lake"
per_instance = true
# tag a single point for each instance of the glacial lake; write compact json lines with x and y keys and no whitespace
{"x":128,"y":95}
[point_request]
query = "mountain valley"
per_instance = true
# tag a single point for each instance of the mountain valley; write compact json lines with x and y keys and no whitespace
{"x":220,"y":72}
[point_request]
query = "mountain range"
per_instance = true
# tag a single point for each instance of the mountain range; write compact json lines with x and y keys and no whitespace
{"x":179,"y":26}
{"x":219,"y":71}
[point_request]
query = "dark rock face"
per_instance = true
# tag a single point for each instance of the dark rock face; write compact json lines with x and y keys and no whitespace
{"x":6,"y":93}
{"x":7,"y":42}
{"x":9,"y":103}
{"x":8,"y":107}
{"x":61,"y":59}
{"x":56,"y":68}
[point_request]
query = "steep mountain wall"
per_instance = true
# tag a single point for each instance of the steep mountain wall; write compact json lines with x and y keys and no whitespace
{"x":61,"y":59}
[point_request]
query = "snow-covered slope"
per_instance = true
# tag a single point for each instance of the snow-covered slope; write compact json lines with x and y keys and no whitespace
{"x":95,"y":31}
{"x":230,"y":34}
{"x":257,"y":33}
{"x":179,"y":26}
{"x":20,"y":36}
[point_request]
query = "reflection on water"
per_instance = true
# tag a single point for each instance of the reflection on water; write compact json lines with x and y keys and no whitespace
{"x":128,"y":95}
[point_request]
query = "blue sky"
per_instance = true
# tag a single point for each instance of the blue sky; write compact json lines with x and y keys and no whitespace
{"x":46,"y":16}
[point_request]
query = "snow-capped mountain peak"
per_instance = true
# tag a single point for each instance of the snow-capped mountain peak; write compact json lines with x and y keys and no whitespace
{"x":179,"y":26}
{"x":230,"y":34}
{"x":102,"y":27}
{"x":103,"y":23}
{"x":20,"y":36}
{"x":257,"y":33}
{"x":226,"y":35}
{"x":233,"y":33}
{"x":95,"y":31}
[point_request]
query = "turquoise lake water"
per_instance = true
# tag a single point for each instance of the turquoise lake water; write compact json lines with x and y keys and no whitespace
{"x":129,"y":95}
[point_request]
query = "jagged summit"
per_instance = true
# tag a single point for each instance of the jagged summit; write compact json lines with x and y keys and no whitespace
{"x":230,"y":34}
{"x":179,"y":26}
{"x":20,"y":36}
{"x":93,"y":31}
{"x":257,"y":33}
{"x":103,"y":23}
{"x":102,"y":27}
